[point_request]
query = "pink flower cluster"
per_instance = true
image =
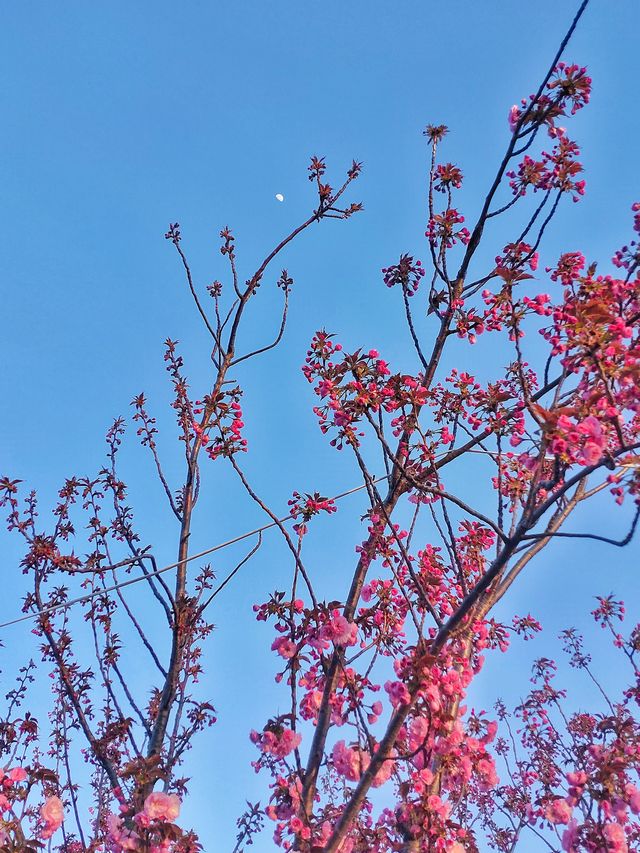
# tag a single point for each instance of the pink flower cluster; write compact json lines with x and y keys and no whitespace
{"x":568,"y":89}
{"x":52,"y":814}
{"x":12,"y":792}
{"x":407,"y":273}
{"x":220,"y":432}
{"x":568,"y":268}
{"x":448,"y":176}
{"x":306,"y":506}
{"x":558,"y":170}
{"x":442,"y":229}
{"x":276,"y":740}
{"x":585,"y":442}
{"x":352,"y":761}
{"x":154,"y":827}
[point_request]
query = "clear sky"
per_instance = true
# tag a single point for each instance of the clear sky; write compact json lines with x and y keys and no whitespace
{"x":120,"y":117}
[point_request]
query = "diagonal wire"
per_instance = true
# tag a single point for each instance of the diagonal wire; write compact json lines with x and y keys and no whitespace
{"x":258,"y":531}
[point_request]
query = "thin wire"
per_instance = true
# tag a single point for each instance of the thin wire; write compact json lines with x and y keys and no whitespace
{"x":258,"y":531}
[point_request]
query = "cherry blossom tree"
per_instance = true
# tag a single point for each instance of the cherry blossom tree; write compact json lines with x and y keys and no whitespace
{"x":374,"y":679}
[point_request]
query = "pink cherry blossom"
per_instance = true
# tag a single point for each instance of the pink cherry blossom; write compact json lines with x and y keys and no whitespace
{"x":616,"y":838}
{"x":17,"y":774}
{"x":284,"y":646}
{"x":633,"y":797}
{"x":558,"y":811}
{"x":398,"y":693}
{"x":52,"y":813}
{"x":350,"y":762}
{"x":160,"y":806}
{"x":570,"y":836}
{"x":339,"y":630}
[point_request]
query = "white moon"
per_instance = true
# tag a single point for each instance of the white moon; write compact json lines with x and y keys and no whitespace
{"x":279,"y":197}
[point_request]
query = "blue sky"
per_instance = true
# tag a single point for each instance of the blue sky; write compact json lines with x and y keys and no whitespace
{"x":121,"y":117}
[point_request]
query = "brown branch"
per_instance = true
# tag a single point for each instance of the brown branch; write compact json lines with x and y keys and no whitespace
{"x":274,"y":343}
{"x":231,"y":574}
{"x":252,"y":494}
{"x":476,"y":234}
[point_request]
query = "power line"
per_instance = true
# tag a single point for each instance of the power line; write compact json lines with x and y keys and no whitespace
{"x":258,"y":531}
{"x":82,"y":599}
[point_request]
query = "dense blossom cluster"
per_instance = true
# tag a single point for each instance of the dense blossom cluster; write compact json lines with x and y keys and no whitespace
{"x":442,"y":229}
{"x":579,"y":779}
{"x":568,"y":91}
{"x":16,"y":813}
{"x":306,"y":507}
{"x":558,"y":170}
{"x":151,"y":830}
{"x":220,"y":430}
{"x":407,"y":273}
